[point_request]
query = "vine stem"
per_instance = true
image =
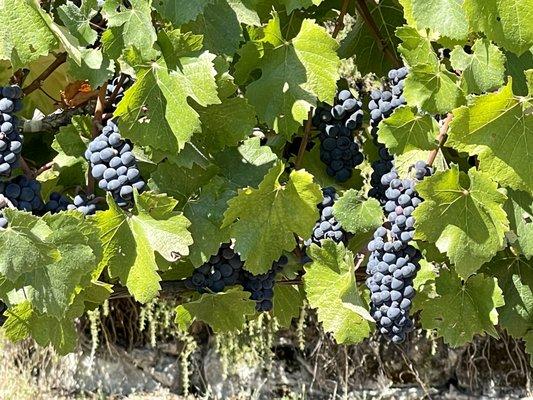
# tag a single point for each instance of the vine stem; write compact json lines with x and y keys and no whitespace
{"x":45,"y":167}
{"x":305,"y":139}
{"x":443,"y":135}
{"x":37,"y":82}
{"x":97,"y":122}
{"x":26,"y":168}
{"x":339,"y":24}
{"x":366,"y":15}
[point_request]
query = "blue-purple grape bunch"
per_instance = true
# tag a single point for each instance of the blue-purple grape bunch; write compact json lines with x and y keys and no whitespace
{"x":327,"y":226}
{"x":113,"y":164}
{"x":338,"y":148}
{"x":393,"y":262}
{"x":24,"y":193}
{"x":112,"y":85}
{"x":382,"y":104}
{"x":221,"y":270}
{"x":10,"y":137}
{"x":261,"y":287}
{"x":82,"y":203}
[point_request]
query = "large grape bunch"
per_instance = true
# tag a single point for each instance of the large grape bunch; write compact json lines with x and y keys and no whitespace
{"x":327,"y":226}
{"x":221,"y":270}
{"x":112,"y":86}
{"x":393,"y":262}
{"x":383,"y":102}
{"x":338,"y":149}
{"x":114,"y":165}
{"x":10,"y":137}
{"x":261,"y":287}
{"x":58,"y":202}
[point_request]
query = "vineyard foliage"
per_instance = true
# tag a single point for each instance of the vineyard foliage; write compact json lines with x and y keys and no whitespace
{"x":219,"y":162}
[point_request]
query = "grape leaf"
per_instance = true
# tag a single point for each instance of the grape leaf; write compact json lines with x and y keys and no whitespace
{"x":500,"y":124}
{"x":415,"y":48}
{"x":157,"y":102}
{"x":444,"y":16}
{"x":519,"y":208}
{"x":357,"y":215}
{"x":330,"y":285}
{"x":25,"y":34}
{"x":263,"y":220}
{"x":509,"y":23}
{"x":361,"y":43}
{"x":515,"y":67}
{"x":22,"y":249}
{"x":292,"y":5}
{"x":463,"y":309}
{"x":433,"y":89}
{"x":206,"y":214}
{"x":515,"y":277}
{"x":130,"y":241}
{"x":463,"y":215}
{"x":94,"y":67}
{"x":136,"y":22}
{"x":224,"y":312}
{"x":78,"y":20}
{"x":287,"y":302}
{"x":404,"y":131}
{"x":180,"y":11}
{"x":483,"y":70}
{"x":294,"y":76}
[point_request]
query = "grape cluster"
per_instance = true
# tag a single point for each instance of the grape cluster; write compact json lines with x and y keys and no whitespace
{"x":111,"y":86}
{"x":81,"y":203}
{"x":393,"y":262}
{"x":338,"y":150}
{"x":382,"y":104}
{"x":10,"y":137}
{"x":114,"y":165}
{"x":327,"y":226}
{"x":221,"y":270}
{"x":23,"y":193}
{"x":261,"y":287}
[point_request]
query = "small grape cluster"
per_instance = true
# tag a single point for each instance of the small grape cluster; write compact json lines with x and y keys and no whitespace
{"x":338,"y":149}
{"x":381,"y":105}
{"x":114,"y":165}
{"x":261,"y":287}
{"x":81,"y":203}
{"x":23,"y":193}
{"x":111,"y":86}
{"x":10,"y":137}
{"x":393,"y":262}
{"x":221,"y":270}
{"x":327,"y":226}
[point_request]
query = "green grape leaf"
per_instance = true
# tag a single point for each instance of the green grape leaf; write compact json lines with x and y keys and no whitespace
{"x":287,"y":302}
{"x":95,"y":67}
{"x":357,"y":215}
{"x":330,"y":285}
{"x":263,"y":220}
{"x":224,"y":312}
{"x":498,"y":123}
{"x":433,"y":89}
{"x":26,"y":35}
{"x":404,"y":131}
{"x":424,"y":285}
{"x":16,"y":327}
{"x":130,"y":241}
{"x":292,"y":5}
{"x":463,"y":215}
{"x":517,"y":68}
{"x":157,"y":102}
{"x":519,"y":208}
{"x":21,"y":247}
{"x":509,"y":23}
{"x":227,"y":123}
{"x":206,"y":214}
{"x":78,"y":20}
{"x":515,"y":277}
{"x":136,"y":23}
{"x":444,"y":16}
{"x":483,"y":70}
{"x":180,"y":11}
{"x":463,"y":309}
{"x":415,"y":48}
{"x":361,"y":43}
{"x":294,"y":76}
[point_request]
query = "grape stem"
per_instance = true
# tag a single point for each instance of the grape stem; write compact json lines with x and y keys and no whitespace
{"x":26,"y":168}
{"x":366,"y":15}
{"x":443,"y":135}
{"x":37,"y":82}
{"x":97,"y":124}
{"x":117,"y":89}
{"x":45,"y":167}
{"x":305,"y":139}
{"x":339,"y":24}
